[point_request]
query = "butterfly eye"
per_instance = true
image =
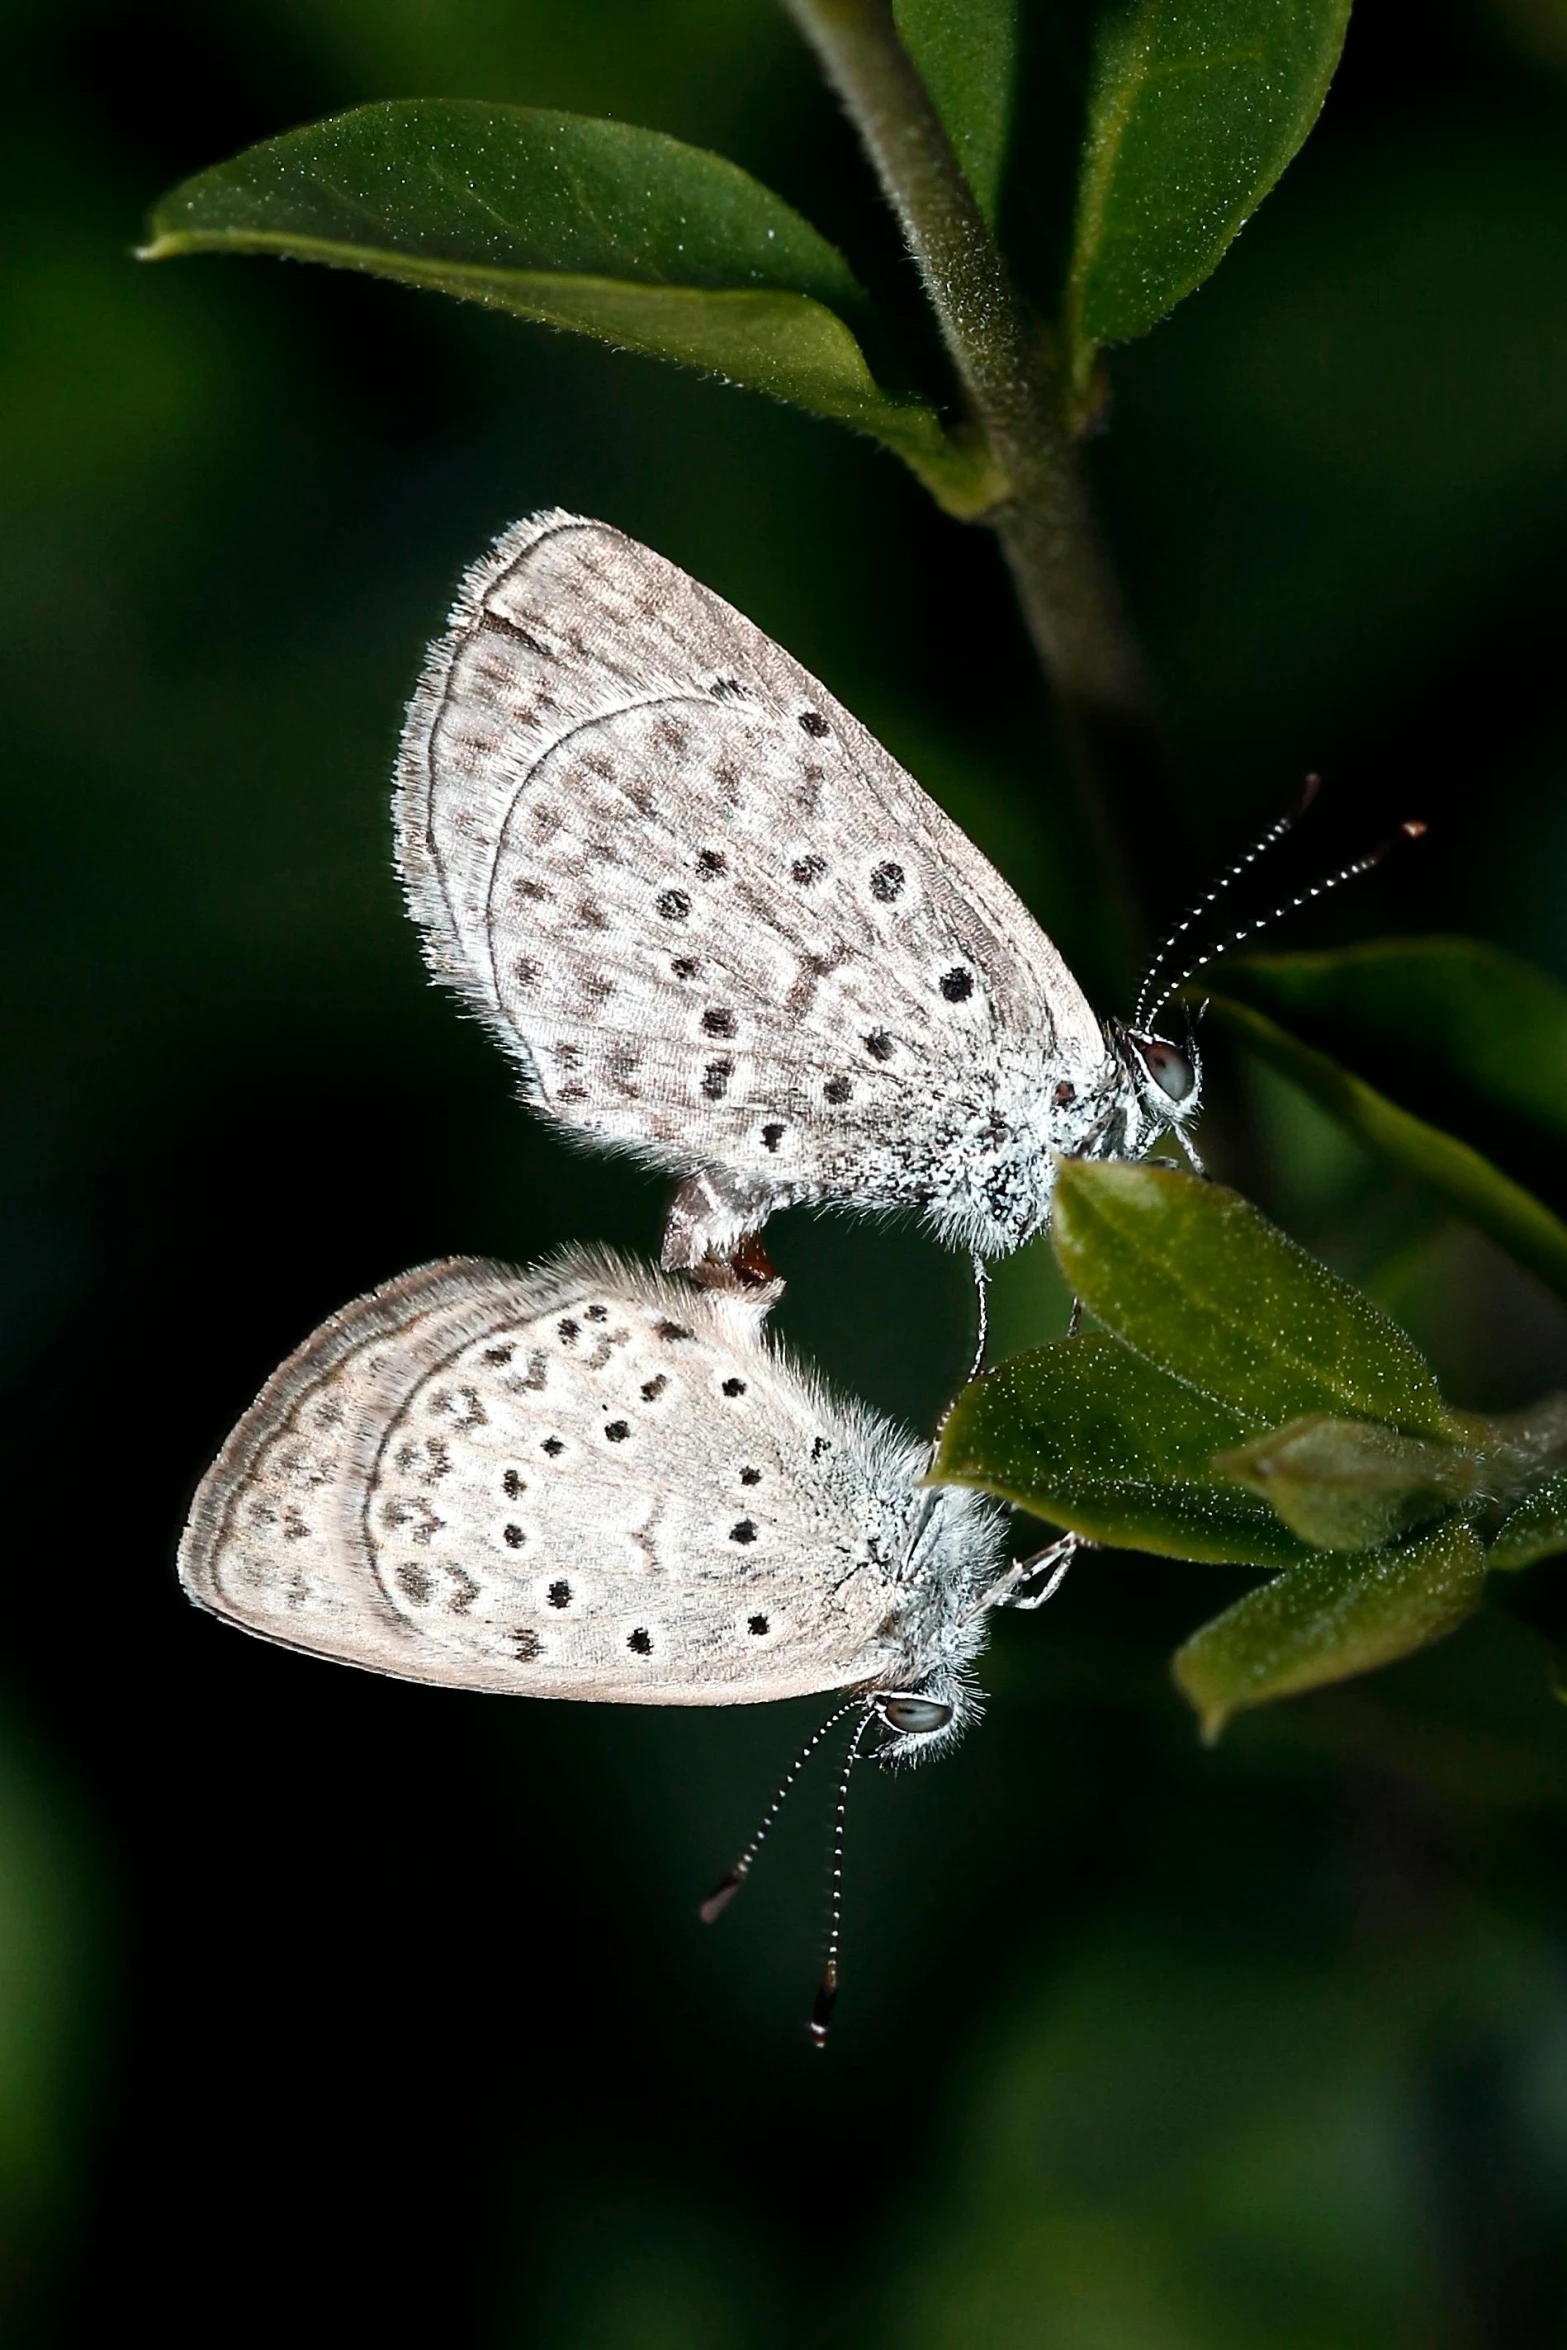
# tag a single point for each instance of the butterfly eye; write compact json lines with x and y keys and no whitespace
{"x":918,"y":1716}
{"x":1170,"y":1070}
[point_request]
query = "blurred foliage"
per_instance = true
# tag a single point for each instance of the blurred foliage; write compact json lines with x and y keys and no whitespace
{"x":1207,"y":2150}
{"x":1140,"y":2042}
{"x":55,"y":1954}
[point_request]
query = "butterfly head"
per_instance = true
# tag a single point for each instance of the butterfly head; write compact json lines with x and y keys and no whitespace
{"x":921,"y":1722}
{"x":952,"y":1553}
{"x":1164,"y":1082}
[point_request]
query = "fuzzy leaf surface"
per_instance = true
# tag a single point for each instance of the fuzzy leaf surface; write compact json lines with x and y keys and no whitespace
{"x":1352,"y":1484}
{"x":600,"y":228}
{"x":1536,"y":1529}
{"x":966,"y":52}
{"x":1087,"y":1434}
{"x":1196,"y":1280}
{"x":1337,"y":1614}
{"x":1195,"y":109}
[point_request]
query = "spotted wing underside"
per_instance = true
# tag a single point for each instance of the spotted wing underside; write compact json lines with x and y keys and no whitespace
{"x":715,"y":921}
{"x":579,"y":1481}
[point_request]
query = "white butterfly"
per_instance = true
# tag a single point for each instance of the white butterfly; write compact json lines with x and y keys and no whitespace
{"x":721,"y":928}
{"x":586,"y":1481}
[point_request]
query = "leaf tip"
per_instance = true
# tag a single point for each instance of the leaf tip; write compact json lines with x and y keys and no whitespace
{"x":161,"y":247}
{"x":1213,"y":1712}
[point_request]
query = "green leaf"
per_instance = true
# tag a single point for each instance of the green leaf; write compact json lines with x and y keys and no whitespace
{"x":596,"y":227}
{"x":1514,"y":1218}
{"x":1460,"y":1033}
{"x":966,"y":52}
{"x":1195,"y":108}
{"x":1192,"y":1277}
{"x":1085,"y":1433}
{"x":1352,"y":1484}
{"x":1536,"y":1529}
{"x":1334,"y":1615}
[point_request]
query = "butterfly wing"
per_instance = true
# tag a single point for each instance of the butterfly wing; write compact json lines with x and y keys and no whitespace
{"x":577,"y":1481}
{"x":715,"y":921}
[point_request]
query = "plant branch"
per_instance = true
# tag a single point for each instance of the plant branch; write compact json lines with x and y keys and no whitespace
{"x":1000,"y":351}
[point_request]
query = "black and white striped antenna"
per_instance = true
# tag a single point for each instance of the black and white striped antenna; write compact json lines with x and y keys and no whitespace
{"x":827,"y":1988}
{"x":1277,"y":831}
{"x":1412,"y":830}
{"x":726,"y":1889}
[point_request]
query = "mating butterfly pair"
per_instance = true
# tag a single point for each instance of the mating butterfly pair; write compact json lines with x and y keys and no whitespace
{"x":719,"y":927}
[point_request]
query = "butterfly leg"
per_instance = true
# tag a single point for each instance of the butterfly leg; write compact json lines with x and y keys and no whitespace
{"x":1197,"y":1166}
{"x":1051,"y":1563}
{"x":717,"y":1215}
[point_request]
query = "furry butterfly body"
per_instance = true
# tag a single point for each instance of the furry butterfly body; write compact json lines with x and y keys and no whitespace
{"x":718,"y":926}
{"x":586,"y":1481}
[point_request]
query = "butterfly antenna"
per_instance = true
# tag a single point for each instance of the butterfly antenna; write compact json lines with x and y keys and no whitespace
{"x":724,"y":1892}
{"x":1413,"y":830}
{"x":827,"y":1988}
{"x":1259,"y":848}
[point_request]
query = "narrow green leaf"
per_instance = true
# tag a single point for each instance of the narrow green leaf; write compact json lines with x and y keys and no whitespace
{"x":1195,"y":109}
{"x":1352,"y":1484}
{"x":1536,"y":1529}
{"x":1195,"y":1279}
{"x":1458,"y":1032}
{"x":597,"y":227}
{"x":1514,"y":1218}
{"x":1335,"y":1615}
{"x":966,"y":52}
{"x":1087,"y":1434}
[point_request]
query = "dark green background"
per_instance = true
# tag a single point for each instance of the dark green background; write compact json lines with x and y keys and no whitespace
{"x":334,"y":2009}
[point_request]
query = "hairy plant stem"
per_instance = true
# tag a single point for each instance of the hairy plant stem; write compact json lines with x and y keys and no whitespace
{"x":1045,"y":525}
